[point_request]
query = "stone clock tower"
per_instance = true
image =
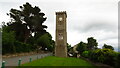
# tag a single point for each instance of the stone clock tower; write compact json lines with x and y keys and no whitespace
{"x":61,"y":35}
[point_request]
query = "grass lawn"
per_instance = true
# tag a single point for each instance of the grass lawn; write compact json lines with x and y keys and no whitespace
{"x":58,"y":61}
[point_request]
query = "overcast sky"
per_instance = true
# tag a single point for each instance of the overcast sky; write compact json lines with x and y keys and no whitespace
{"x":85,"y":18}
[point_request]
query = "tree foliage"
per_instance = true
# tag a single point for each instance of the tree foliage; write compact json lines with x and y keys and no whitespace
{"x":92,"y":43}
{"x":108,"y":47}
{"x":68,"y":47}
{"x":85,"y":54}
{"x":11,"y":45}
{"x":46,"y":42}
{"x":81,"y":47}
{"x":117,"y":60}
{"x":8,"y":39}
{"x":106,"y":56}
{"x":26,"y":21}
{"x":25,"y":31}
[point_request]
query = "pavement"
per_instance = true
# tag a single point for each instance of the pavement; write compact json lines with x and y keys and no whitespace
{"x":13,"y":61}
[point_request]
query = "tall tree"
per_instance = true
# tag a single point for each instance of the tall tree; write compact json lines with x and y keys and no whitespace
{"x":26,"y":21}
{"x":81,"y":47}
{"x":92,"y":43}
{"x":68,"y":47}
{"x":8,"y":39}
{"x":45,"y":41}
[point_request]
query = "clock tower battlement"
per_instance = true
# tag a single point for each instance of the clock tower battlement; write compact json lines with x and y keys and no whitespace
{"x":61,"y":13}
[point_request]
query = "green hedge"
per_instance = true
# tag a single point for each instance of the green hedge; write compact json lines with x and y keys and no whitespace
{"x":117,"y":60}
{"x":17,"y":47}
{"x":105,"y":56}
{"x":85,"y":54}
{"x":22,"y":47}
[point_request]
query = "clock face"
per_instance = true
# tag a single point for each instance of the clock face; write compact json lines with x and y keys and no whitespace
{"x":60,"y":19}
{"x":60,"y":36}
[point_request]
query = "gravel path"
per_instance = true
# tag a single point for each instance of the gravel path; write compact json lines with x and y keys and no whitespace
{"x":13,"y":61}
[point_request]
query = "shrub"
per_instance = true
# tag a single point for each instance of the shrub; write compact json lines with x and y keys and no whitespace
{"x":22,"y":47}
{"x":45,"y":41}
{"x":93,"y":55}
{"x":81,"y":47}
{"x":8,"y":39}
{"x":105,"y":56}
{"x":117,"y":60}
{"x":85,"y":54}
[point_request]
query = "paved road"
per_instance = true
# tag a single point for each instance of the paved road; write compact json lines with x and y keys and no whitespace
{"x":14,"y":61}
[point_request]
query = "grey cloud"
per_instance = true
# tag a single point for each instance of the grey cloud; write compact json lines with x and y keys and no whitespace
{"x":109,"y":38}
{"x":97,"y":27}
{"x":78,"y":13}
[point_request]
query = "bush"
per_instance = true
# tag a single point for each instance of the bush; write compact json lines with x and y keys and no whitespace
{"x":117,"y":60}
{"x":46,"y":42}
{"x":81,"y":47}
{"x":85,"y":54}
{"x":92,"y":55}
{"x":106,"y":56}
{"x":8,"y":39}
{"x":22,"y":47}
